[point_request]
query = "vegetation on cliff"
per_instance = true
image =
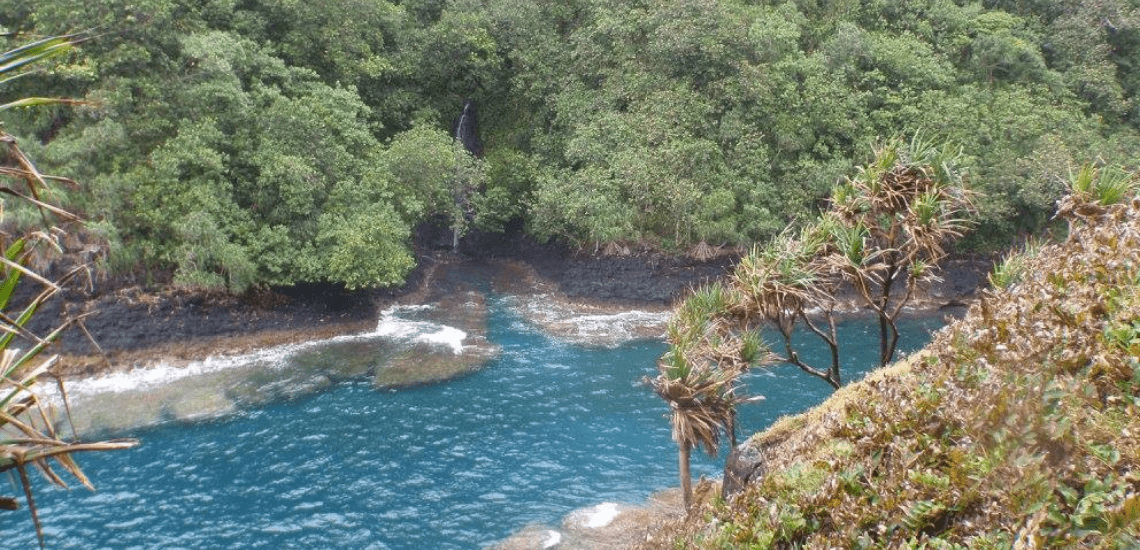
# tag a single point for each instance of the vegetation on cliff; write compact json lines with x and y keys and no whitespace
{"x":1016,"y":427}
{"x":883,"y":234}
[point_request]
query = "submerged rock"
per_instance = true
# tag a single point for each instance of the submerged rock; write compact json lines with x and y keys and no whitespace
{"x":399,"y":352}
{"x":427,"y":364}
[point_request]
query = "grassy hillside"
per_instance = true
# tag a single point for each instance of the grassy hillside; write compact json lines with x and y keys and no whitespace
{"x":1019,"y":426}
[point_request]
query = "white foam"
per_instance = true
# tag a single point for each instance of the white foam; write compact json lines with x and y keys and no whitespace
{"x":165,"y":373}
{"x":624,"y":322}
{"x":601,"y":515}
{"x":552,"y":538}
{"x":584,"y":324}
{"x":160,"y":374}
{"x":393,"y":326}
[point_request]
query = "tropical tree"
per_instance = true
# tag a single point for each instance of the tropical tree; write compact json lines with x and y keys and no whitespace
{"x":883,"y":235}
{"x":698,"y":377}
{"x":889,"y":226}
{"x":702,"y":402}
{"x":780,"y":285}
{"x":28,"y":427}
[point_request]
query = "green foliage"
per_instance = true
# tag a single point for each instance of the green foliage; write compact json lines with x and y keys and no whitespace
{"x":663,"y":123}
{"x":437,"y":176}
{"x":233,"y":195}
{"x":886,"y":230}
{"x":14,"y":64}
{"x":1104,"y":186}
{"x":367,"y":250}
{"x":1013,"y":267}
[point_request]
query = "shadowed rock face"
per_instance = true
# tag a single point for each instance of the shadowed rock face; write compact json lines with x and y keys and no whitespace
{"x":744,"y":464}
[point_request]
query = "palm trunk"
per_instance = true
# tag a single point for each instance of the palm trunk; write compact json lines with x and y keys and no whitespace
{"x":686,"y":478}
{"x":886,"y":347}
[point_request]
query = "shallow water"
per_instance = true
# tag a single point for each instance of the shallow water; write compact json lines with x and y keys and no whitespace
{"x":546,"y":427}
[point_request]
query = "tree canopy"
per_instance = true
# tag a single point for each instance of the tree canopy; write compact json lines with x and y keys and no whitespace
{"x":239,"y":143}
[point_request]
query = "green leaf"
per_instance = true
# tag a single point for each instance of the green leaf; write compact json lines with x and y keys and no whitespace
{"x":34,"y":102}
{"x":36,"y":51}
{"x":13,"y":276}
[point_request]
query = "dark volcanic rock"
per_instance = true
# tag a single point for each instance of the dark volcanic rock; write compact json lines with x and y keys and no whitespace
{"x":645,"y":277}
{"x":652,"y":279}
{"x":132,"y":319}
{"x":123,"y":317}
{"x":744,"y":464}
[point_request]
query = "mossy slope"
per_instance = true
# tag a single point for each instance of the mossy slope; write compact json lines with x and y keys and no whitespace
{"x":1018,"y":426}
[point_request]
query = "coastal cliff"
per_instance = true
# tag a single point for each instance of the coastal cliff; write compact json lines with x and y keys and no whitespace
{"x":1016,"y":427}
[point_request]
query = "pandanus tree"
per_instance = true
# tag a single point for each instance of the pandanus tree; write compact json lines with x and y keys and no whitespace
{"x":890,"y":225}
{"x":883,"y":234}
{"x":698,"y":376}
{"x":29,"y":427}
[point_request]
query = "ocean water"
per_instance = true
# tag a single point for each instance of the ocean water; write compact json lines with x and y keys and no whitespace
{"x":546,"y":427}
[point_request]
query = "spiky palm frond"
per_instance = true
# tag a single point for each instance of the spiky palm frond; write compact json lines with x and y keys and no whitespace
{"x":704,"y":332}
{"x":700,"y":405}
{"x":28,"y":424}
{"x":1093,"y":189}
{"x":28,"y":434}
{"x":702,"y":399}
{"x":15,"y":64}
{"x":777,"y":280}
{"x":697,"y":377}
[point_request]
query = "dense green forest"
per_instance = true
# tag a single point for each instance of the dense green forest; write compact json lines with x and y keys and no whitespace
{"x":248,"y":143}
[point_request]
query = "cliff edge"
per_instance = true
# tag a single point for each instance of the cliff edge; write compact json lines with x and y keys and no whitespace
{"x":1017,"y":427}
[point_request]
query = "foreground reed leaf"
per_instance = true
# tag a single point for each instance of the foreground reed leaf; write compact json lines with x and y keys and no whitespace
{"x":28,"y":434}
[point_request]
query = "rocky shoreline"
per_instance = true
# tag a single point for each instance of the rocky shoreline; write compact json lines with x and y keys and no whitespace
{"x":176,"y":328}
{"x":128,"y":327}
{"x":125,"y":327}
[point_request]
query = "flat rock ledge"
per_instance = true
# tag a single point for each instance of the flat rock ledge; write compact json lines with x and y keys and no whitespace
{"x":605,"y":526}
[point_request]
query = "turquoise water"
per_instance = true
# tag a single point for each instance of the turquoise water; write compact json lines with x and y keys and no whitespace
{"x":545,"y":428}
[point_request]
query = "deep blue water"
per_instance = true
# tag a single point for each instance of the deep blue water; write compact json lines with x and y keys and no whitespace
{"x":545,"y":428}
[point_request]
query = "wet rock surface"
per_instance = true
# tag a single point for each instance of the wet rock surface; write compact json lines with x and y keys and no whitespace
{"x":600,"y":527}
{"x":130,"y":325}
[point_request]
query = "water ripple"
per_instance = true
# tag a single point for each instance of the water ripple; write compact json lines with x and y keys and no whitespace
{"x":546,"y":428}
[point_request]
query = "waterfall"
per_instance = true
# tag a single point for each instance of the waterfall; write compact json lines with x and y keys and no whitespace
{"x":462,"y":121}
{"x":467,"y":129}
{"x":466,"y":132}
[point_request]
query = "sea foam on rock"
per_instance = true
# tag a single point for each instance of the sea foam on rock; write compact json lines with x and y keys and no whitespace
{"x":599,"y":527}
{"x":411,"y":345}
{"x":590,"y":324}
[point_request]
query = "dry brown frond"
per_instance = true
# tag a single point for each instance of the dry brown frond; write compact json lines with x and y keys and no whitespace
{"x":614,"y":248}
{"x":702,"y":252}
{"x":28,"y":434}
